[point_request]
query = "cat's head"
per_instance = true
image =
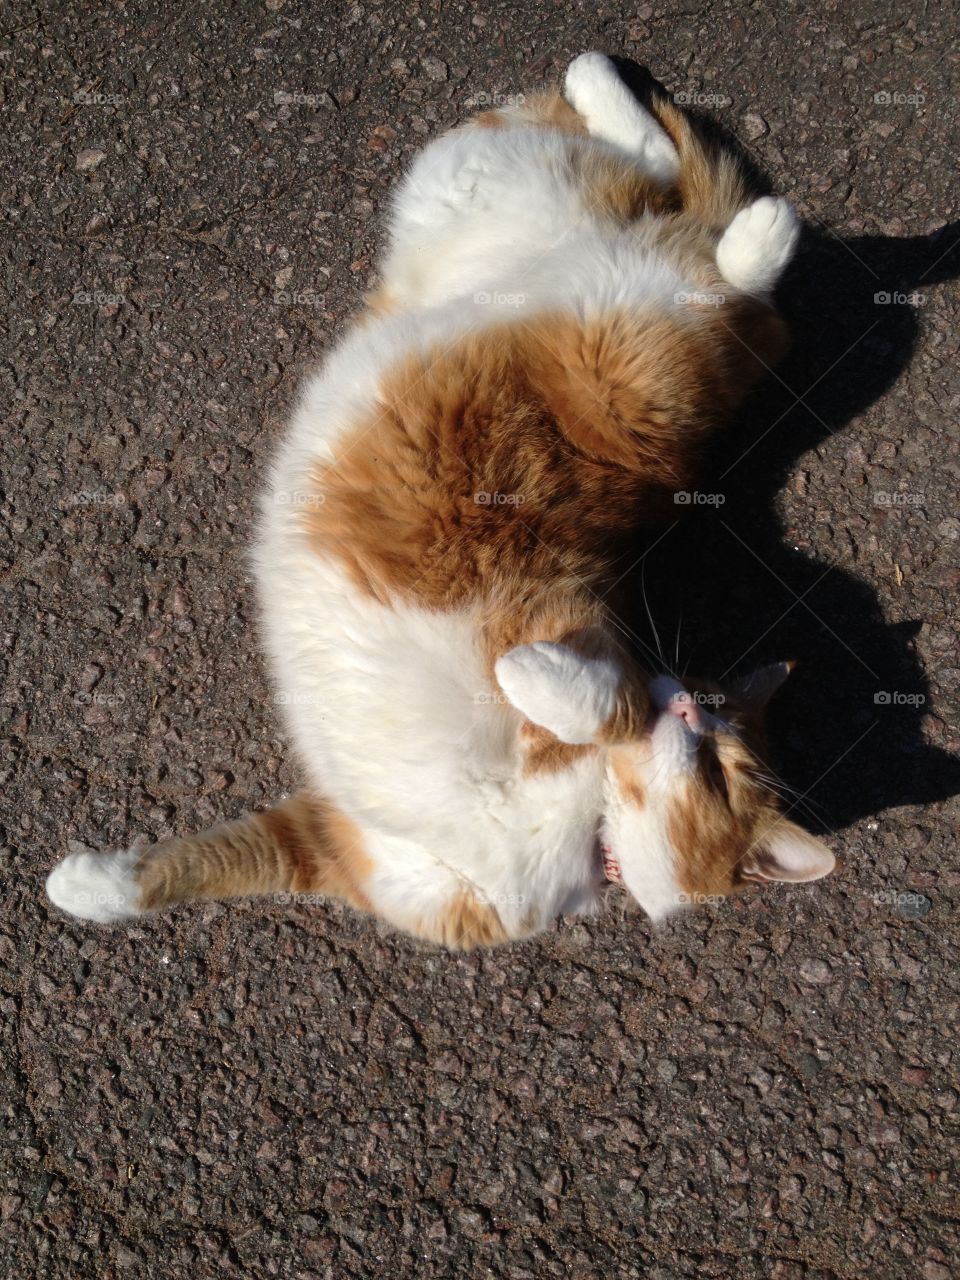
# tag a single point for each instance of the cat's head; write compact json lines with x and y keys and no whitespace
{"x":690,"y":811}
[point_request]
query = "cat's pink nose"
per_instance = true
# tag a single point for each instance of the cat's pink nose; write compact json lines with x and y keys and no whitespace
{"x":684,"y":706}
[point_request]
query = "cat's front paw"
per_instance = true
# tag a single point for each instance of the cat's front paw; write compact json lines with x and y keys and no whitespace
{"x":96,"y":886}
{"x":758,"y":244}
{"x":559,"y":689}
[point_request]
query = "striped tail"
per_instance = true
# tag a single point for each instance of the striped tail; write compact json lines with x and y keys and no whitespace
{"x":711,"y":183}
{"x":302,"y":845}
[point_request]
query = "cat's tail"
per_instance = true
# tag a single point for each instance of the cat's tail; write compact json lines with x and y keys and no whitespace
{"x":711,"y":181}
{"x":303,"y":845}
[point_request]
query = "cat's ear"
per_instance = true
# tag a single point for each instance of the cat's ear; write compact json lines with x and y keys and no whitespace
{"x":559,"y":689}
{"x":788,"y":853}
{"x":760,"y":685}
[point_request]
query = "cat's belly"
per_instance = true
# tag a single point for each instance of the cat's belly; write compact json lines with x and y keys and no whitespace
{"x":472,"y":285}
{"x":379,"y":701}
{"x":493,"y":220}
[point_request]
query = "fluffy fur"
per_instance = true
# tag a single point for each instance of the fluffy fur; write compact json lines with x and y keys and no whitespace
{"x":577,"y":292}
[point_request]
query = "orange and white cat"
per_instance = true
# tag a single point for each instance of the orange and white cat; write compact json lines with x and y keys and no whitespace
{"x":577,"y":292}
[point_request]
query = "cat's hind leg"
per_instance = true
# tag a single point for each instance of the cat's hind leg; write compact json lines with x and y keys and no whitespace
{"x":611,"y":112}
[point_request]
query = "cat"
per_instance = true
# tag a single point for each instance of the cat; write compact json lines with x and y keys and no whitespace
{"x":576,"y":294}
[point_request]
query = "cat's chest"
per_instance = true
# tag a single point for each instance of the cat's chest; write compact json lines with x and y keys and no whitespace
{"x":528,"y":848}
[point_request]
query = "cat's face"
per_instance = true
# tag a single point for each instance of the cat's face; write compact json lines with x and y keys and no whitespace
{"x":692,"y":812}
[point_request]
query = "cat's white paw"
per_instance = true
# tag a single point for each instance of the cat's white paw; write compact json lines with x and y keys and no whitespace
{"x":593,"y":88}
{"x":590,"y":78}
{"x":557,"y":688}
{"x":96,"y":886}
{"x":758,"y":244}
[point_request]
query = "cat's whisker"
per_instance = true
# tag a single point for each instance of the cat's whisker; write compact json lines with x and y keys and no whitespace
{"x":676,"y":652}
{"x":787,"y":793}
{"x":646,"y":605}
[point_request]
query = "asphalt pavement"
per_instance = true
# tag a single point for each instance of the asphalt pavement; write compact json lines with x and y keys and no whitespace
{"x":192,"y":204}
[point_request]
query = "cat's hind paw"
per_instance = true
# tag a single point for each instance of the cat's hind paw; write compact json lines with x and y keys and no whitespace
{"x":758,"y":244}
{"x":594,"y":89}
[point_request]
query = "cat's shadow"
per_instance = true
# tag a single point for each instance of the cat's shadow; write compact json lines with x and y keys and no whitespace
{"x":848,"y":727}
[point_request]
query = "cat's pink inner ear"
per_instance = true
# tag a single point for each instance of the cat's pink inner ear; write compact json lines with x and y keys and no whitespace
{"x":789,"y":853}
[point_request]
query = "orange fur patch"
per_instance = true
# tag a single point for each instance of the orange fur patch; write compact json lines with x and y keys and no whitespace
{"x":707,"y":844}
{"x":527,"y":452}
{"x":614,"y":188}
{"x":552,"y":110}
{"x":545,"y":754}
{"x":711,"y":185}
{"x":630,"y":785}
{"x":465,"y":923}
{"x":549,"y":110}
{"x":381,"y":302}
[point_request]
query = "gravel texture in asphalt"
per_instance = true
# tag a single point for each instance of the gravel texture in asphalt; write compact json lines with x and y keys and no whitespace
{"x":192,"y":206}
